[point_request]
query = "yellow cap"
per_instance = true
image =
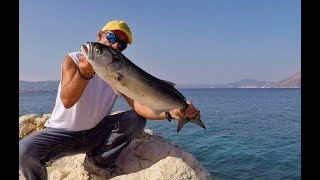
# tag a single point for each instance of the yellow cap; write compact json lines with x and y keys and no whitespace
{"x":119,"y":25}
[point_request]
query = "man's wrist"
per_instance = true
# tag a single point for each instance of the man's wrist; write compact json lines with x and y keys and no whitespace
{"x":168,"y":116}
{"x":84,"y":77}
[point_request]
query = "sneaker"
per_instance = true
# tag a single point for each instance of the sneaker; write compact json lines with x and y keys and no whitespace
{"x":106,"y":172}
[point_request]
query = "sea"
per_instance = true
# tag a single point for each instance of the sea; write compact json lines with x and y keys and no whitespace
{"x":251,"y":133}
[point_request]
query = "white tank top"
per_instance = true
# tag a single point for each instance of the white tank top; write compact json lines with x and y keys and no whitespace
{"x":95,"y":103}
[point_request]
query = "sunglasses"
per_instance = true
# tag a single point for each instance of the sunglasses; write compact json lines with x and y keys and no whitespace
{"x":112,"y":38}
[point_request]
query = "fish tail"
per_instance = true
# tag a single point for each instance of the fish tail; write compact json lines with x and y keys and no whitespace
{"x":181,"y":122}
{"x":198,"y":122}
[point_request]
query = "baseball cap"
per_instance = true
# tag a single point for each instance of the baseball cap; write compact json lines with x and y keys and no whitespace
{"x":119,"y":25}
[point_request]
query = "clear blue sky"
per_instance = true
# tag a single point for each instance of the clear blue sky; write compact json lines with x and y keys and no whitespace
{"x":186,"y":42}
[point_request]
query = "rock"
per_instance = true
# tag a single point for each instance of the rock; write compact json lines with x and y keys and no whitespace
{"x":42,"y":120}
{"x":63,"y":169}
{"x":153,"y":157}
{"x":29,"y":118}
{"x":166,"y":168}
{"x":149,"y":131}
{"x":31,"y":123}
{"x":26,"y":128}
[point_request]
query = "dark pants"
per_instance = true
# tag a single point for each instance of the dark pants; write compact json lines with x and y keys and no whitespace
{"x":102,"y":144}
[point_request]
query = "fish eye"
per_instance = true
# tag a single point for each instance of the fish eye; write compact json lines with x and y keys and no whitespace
{"x":98,"y":51}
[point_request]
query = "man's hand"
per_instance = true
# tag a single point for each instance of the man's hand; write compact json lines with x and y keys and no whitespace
{"x":190,"y":113}
{"x":85,"y":67}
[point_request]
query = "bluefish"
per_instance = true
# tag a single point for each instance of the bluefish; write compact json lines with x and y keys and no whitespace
{"x":132,"y":81}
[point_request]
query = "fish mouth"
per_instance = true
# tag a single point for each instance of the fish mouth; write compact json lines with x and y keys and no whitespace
{"x":87,"y":50}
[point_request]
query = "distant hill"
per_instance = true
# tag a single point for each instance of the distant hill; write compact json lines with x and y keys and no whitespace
{"x":293,"y":81}
{"x":244,"y":83}
{"x":27,"y":86}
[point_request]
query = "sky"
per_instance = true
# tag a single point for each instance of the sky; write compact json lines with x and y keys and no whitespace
{"x":186,"y":42}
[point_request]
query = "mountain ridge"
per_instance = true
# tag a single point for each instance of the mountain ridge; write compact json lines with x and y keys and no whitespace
{"x":293,"y":81}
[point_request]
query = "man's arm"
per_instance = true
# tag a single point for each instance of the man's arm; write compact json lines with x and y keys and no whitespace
{"x":191,"y":112}
{"x":72,"y":84}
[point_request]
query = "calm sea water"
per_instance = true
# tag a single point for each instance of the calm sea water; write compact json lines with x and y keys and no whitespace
{"x":251,"y":133}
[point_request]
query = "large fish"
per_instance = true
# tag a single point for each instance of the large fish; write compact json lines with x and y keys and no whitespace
{"x":123,"y":75}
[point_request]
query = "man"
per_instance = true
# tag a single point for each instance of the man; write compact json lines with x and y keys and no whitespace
{"x":81,"y":120}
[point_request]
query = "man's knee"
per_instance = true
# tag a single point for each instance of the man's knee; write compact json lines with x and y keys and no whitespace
{"x":132,"y":123}
{"x":140,"y":122}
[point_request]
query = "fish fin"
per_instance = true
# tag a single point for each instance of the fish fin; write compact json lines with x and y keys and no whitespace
{"x":169,"y":83}
{"x":181,"y":122}
{"x":198,"y":122}
{"x":115,"y":75}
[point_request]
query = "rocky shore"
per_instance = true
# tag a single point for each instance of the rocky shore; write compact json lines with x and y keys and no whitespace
{"x":147,"y":157}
